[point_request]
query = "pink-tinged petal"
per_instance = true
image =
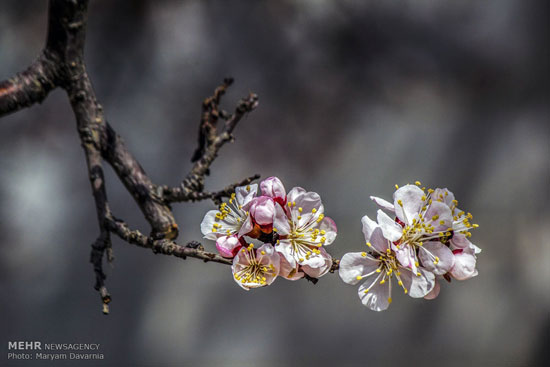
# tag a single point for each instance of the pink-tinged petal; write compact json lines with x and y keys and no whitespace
{"x":273,"y":187}
{"x":434,"y":292}
{"x":392,"y":231}
{"x":368,"y":226}
{"x":244,"y":194}
{"x":228,"y":246}
{"x":417,"y":285}
{"x":439,"y":215}
{"x":306,"y":207}
{"x":459,"y":240}
{"x":383,"y":203}
{"x":436,"y":257}
{"x":286,"y":250}
{"x":319,"y":271}
{"x":378,"y":241}
{"x":289,"y":272}
{"x":208,"y":223}
{"x":246,"y":227}
{"x":262,"y":210}
{"x":280,"y":221}
{"x":377,"y":296}
{"x":444,"y":196}
{"x":294,"y":193}
{"x":328,"y":225}
{"x":267,"y":256}
{"x":357,"y":265}
{"x":464,"y":266}
{"x":411,"y":198}
{"x":474,"y":248}
{"x":240,"y":261}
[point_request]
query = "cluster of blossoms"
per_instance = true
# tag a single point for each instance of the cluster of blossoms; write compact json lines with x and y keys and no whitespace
{"x":427,"y":238}
{"x":291,"y":228}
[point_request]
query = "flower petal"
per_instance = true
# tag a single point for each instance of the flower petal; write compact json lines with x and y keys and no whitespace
{"x":244,"y":194}
{"x":434,"y":292}
{"x":357,"y":265}
{"x":289,"y":272}
{"x":280,"y":221}
{"x":368,"y":226}
{"x":246,"y":227}
{"x":228,"y":246}
{"x":262,"y":210}
{"x":392,"y":231}
{"x":464,"y":266}
{"x":208,"y":223}
{"x":273,"y":187}
{"x":436,"y":257}
{"x":319,"y":271}
{"x":377,"y":296}
{"x":378,"y":241}
{"x":440,"y":216}
{"x":417,"y":286}
{"x":328,"y":225}
{"x":384,"y":204}
{"x":284,"y":247}
{"x":411,"y":198}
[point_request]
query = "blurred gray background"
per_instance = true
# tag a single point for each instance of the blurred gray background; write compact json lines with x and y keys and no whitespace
{"x":355,"y":96}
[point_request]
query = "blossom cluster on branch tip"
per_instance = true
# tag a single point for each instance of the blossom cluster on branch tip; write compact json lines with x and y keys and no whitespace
{"x":292,"y":229}
{"x":427,"y":239}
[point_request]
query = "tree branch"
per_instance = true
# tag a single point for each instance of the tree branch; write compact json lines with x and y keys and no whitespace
{"x":61,"y":64}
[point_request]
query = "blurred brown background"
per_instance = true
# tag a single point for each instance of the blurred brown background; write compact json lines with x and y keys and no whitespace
{"x":355,"y":96}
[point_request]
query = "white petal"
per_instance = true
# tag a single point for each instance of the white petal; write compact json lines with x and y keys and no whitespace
{"x":319,"y":271}
{"x":243,"y":194}
{"x":368,"y":226}
{"x":378,"y":241}
{"x":328,"y":225}
{"x":444,"y":261}
{"x":207,"y":225}
{"x":289,"y":272}
{"x":464,"y":266}
{"x":444,"y":219}
{"x":434,"y":292}
{"x":356,"y":264}
{"x":280,"y":221}
{"x":392,"y":231}
{"x":284,"y":247}
{"x":383,"y":203}
{"x":378,"y":297}
{"x":411,"y":200}
{"x":417,"y":286}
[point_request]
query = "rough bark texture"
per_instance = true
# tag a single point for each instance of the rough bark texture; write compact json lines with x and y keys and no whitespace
{"x":61,"y":65}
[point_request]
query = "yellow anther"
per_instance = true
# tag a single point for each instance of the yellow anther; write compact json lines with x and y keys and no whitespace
{"x":278,"y":242}
{"x":364,"y":254}
{"x":366,"y":291}
{"x":263,"y":252}
{"x":400,"y":283}
{"x":423,"y":197}
{"x":435,"y":217}
{"x":417,"y":183}
{"x":418,"y":274}
{"x":214,"y":229}
{"x":359,"y":277}
{"x":396,"y":186}
{"x":400,"y":202}
{"x":247,"y":187}
{"x":293,"y":203}
{"x":289,"y":204}
{"x":442,"y":222}
{"x":314,"y":210}
{"x":323,"y":232}
{"x":301,"y":259}
{"x":383,"y":281}
{"x":300,"y":209}
{"x":475,"y":225}
{"x":416,"y":264}
{"x":378,"y":270}
{"x":274,"y":229}
{"x":299,"y":217}
{"x":405,"y":290}
{"x":389,"y":300}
